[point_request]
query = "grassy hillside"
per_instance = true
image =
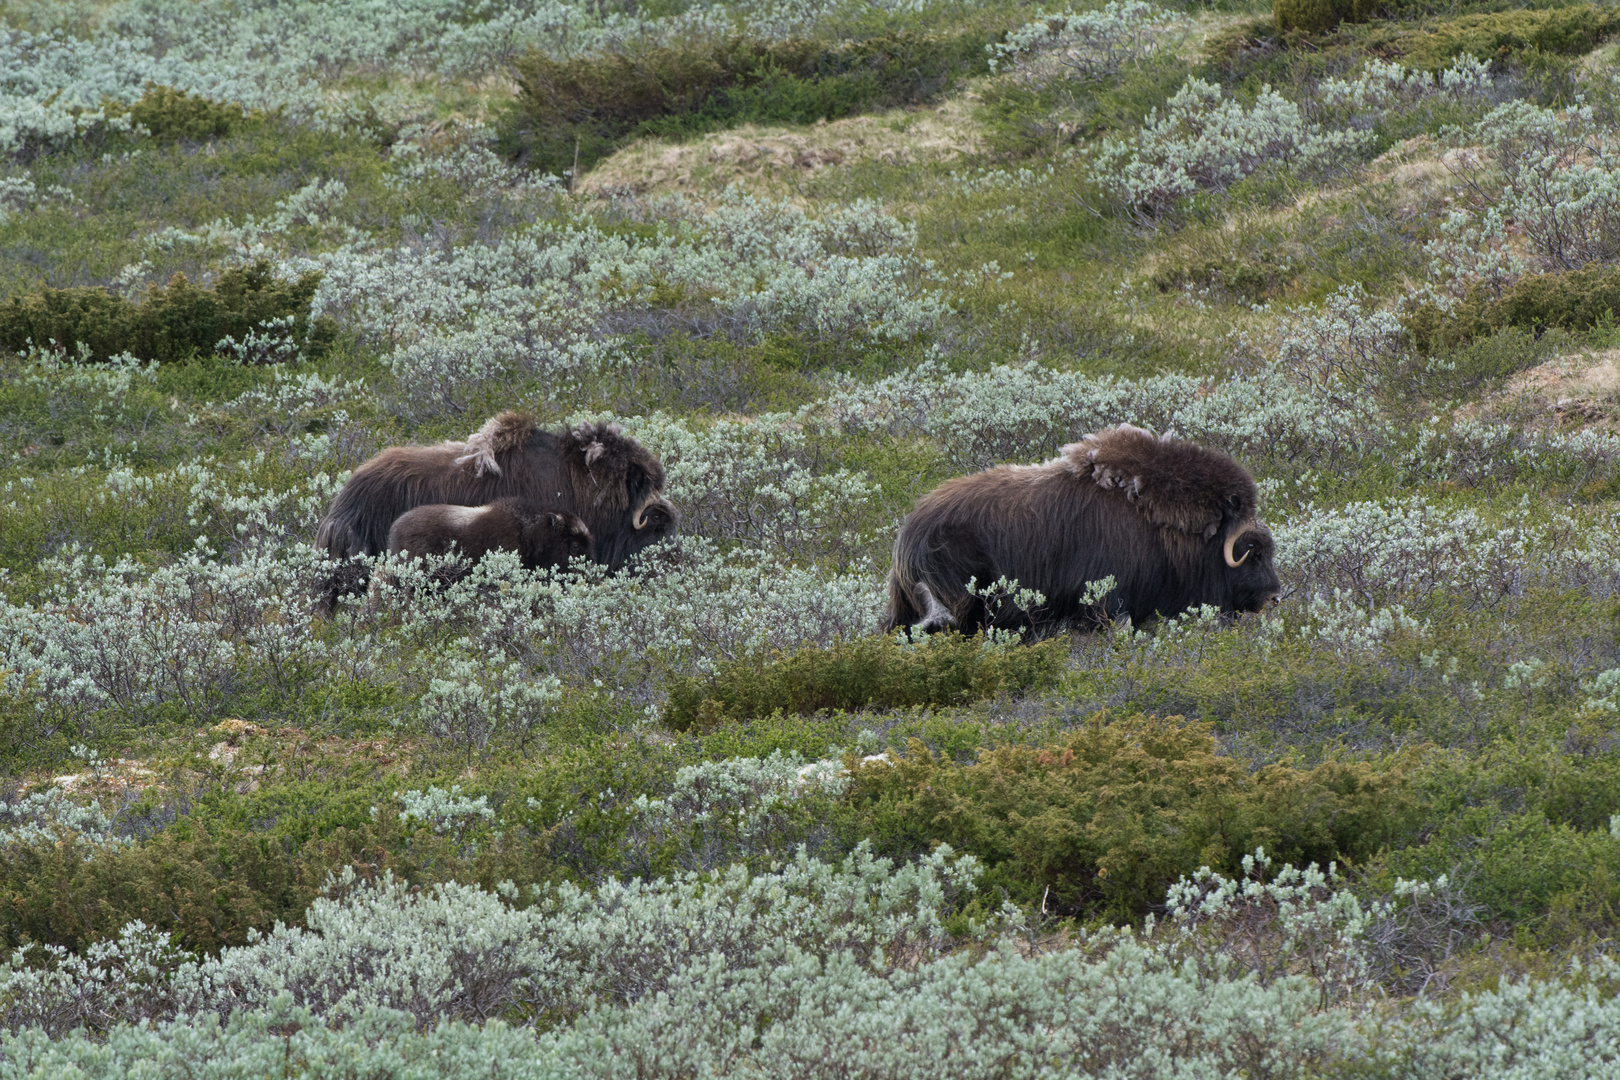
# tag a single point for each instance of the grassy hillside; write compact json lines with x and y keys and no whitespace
{"x":818,"y":258}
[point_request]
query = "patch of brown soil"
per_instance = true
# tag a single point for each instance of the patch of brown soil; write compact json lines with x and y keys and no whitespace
{"x":1581,"y":390}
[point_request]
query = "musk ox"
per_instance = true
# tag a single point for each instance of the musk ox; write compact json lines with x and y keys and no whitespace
{"x":1173,"y":523}
{"x":541,"y":538}
{"x":593,"y":471}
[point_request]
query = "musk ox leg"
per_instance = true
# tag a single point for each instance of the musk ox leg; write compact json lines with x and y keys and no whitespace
{"x":903,"y":614}
{"x":935,"y":616}
{"x":348,"y":579}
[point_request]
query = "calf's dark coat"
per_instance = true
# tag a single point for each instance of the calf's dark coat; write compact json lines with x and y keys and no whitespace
{"x":540,"y":538}
{"x":1172,"y":522}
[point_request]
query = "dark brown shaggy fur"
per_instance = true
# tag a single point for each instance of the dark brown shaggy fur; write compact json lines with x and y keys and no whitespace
{"x":594,"y":471}
{"x":541,"y":538}
{"x":1152,"y":512}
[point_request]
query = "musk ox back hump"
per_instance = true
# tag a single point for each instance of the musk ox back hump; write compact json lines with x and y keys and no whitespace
{"x":1172,"y":522}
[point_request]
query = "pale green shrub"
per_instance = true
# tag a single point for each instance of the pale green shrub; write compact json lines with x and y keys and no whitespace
{"x":49,"y":814}
{"x":1411,"y":549}
{"x":756,"y":483}
{"x":444,"y":811}
{"x":719,"y":810}
{"x":549,"y":302}
{"x":1382,"y":86}
{"x":1550,"y":172}
{"x":1206,"y":141}
{"x":1091,"y":44}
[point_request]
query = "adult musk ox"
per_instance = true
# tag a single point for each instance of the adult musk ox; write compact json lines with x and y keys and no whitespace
{"x":1172,"y":522}
{"x":593,"y":471}
{"x":541,"y":538}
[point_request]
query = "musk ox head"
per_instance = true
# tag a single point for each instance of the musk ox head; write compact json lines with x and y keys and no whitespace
{"x":554,"y":540}
{"x":606,"y":479}
{"x":1203,"y":503}
{"x":621,"y":489}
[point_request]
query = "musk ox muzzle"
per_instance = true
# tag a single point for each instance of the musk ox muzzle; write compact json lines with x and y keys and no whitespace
{"x":1173,"y":523}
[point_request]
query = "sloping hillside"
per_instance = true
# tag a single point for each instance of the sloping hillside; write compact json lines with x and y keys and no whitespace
{"x":697,"y":815}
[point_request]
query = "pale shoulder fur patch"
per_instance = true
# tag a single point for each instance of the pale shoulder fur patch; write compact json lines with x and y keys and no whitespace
{"x":499,"y":435}
{"x":1173,"y":482}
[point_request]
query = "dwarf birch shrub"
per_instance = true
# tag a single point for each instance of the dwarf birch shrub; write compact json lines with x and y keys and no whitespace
{"x":873,"y":672}
{"x":1576,"y":300}
{"x":1098,"y":823}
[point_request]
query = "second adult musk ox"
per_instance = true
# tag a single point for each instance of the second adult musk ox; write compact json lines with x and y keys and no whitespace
{"x":1173,"y":523}
{"x":593,"y":471}
{"x":540,"y":538}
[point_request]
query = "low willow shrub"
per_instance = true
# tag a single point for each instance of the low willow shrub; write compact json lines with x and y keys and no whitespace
{"x":1099,"y":823}
{"x":816,"y":969}
{"x":1551,"y":173}
{"x":1057,"y":1009}
{"x":171,"y":323}
{"x":875,"y":672}
{"x":552,"y":304}
{"x":584,"y":107}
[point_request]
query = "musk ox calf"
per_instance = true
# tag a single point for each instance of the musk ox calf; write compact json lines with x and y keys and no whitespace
{"x":1173,"y":523}
{"x":594,"y":471}
{"x":541,"y":538}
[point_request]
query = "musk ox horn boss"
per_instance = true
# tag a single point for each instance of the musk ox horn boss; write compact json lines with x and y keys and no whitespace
{"x":541,"y":538}
{"x":594,"y":471}
{"x":1172,"y":522}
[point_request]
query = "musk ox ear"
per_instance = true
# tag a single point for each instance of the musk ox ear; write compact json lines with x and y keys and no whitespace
{"x":500,"y":435}
{"x":1173,"y":482}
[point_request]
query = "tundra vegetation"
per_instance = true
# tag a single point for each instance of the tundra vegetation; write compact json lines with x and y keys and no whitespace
{"x":697,"y":817}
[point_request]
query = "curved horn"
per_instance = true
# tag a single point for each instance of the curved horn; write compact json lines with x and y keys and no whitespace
{"x":1231,"y":538}
{"x":638,"y":520}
